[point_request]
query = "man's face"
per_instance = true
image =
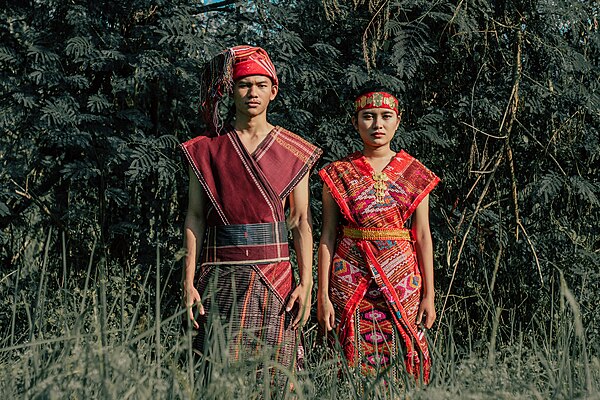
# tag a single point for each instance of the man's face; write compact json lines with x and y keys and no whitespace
{"x":376,"y":126}
{"x":252,"y":94}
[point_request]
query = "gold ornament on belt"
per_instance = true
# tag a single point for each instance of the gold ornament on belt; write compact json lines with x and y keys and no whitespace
{"x":380,"y":186}
{"x":376,"y":233}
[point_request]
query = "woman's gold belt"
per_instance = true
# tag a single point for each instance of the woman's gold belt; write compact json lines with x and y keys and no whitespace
{"x":376,"y":233}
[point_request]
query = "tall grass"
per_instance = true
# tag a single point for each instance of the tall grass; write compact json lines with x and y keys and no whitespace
{"x":110,"y":338}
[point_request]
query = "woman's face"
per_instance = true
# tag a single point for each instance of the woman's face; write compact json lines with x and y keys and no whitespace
{"x":376,"y":126}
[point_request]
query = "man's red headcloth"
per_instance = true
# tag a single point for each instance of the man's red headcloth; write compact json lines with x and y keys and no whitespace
{"x":222,"y":71}
{"x":248,"y":60}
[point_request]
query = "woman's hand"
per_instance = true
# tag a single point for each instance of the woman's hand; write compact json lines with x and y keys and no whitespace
{"x":325,"y":313}
{"x":427,"y":309}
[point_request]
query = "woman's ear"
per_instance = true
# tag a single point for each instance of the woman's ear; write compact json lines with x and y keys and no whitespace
{"x":399,"y":119}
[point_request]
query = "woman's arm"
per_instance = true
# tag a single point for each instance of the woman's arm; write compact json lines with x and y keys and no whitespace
{"x":424,"y":248}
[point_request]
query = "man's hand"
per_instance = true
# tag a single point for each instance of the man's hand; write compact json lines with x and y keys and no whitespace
{"x":300,"y":295}
{"x":325,"y":313}
{"x":192,"y":298}
{"x":427,"y":307}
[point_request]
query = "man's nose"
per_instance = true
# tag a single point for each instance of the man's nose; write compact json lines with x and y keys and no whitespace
{"x":252,"y":91}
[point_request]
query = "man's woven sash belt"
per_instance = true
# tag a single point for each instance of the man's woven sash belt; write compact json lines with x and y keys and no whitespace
{"x":246,"y":243}
{"x":249,"y":234}
{"x":376,"y":233}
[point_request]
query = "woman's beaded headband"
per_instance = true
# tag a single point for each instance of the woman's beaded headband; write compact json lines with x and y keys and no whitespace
{"x":376,"y":100}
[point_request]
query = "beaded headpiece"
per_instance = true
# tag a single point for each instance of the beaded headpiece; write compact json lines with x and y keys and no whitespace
{"x":376,"y":100}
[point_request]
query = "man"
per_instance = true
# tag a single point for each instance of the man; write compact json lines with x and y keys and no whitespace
{"x":242,"y":177}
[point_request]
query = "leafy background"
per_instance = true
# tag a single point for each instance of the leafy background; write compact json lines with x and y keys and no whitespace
{"x":501,"y":99}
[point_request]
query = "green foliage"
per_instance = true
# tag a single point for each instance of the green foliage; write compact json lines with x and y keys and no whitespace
{"x":500,"y":99}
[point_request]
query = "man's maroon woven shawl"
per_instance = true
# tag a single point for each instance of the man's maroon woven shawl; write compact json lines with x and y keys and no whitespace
{"x":249,"y":189}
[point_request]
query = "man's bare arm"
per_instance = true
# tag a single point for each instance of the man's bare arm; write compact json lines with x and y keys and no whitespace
{"x":300,"y":221}
{"x":195,"y":224}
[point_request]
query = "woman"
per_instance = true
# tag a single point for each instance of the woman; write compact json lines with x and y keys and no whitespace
{"x":375,"y":274}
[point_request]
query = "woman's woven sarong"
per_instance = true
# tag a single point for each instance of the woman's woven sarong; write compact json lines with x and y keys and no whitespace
{"x":375,"y":283}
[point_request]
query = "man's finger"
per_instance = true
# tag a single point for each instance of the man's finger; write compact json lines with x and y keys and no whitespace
{"x":200,"y":308}
{"x":301,"y":317}
{"x":191,"y":317}
{"x":291,"y":302}
{"x":295,"y":321}
{"x":304,"y":319}
{"x":419,"y":316}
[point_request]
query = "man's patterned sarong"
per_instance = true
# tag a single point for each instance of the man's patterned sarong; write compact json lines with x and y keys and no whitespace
{"x":245,"y":277}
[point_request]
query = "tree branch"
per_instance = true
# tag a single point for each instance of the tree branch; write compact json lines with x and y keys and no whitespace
{"x":512,"y":110}
{"x":464,"y":240}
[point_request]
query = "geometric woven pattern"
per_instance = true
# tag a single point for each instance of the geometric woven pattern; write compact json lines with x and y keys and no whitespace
{"x":375,"y":285}
{"x":245,"y":284}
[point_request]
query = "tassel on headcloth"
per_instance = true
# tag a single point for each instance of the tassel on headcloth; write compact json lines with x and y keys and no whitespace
{"x":222,"y":71}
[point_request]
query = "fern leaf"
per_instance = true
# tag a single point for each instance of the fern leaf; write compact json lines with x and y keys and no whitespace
{"x":7,"y":56}
{"x":549,"y":186}
{"x":98,"y":103}
{"x":585,"y":190}
{"x":79,"y":47}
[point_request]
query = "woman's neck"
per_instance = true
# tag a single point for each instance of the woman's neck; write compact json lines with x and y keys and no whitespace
{"x":374,"y":153}
{"x":378,"y":158}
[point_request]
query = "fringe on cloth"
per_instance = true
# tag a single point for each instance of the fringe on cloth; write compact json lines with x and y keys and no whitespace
{"x":216,"y":81}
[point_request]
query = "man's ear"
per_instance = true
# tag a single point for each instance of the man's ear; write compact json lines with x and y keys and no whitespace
{"x":274,"y":91}
{"x":354,"y":122}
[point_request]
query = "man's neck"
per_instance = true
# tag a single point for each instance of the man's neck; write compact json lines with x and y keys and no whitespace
{"x":256,"y":126}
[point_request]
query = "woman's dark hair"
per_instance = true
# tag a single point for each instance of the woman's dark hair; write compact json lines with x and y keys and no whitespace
{"x":374,"y":88}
